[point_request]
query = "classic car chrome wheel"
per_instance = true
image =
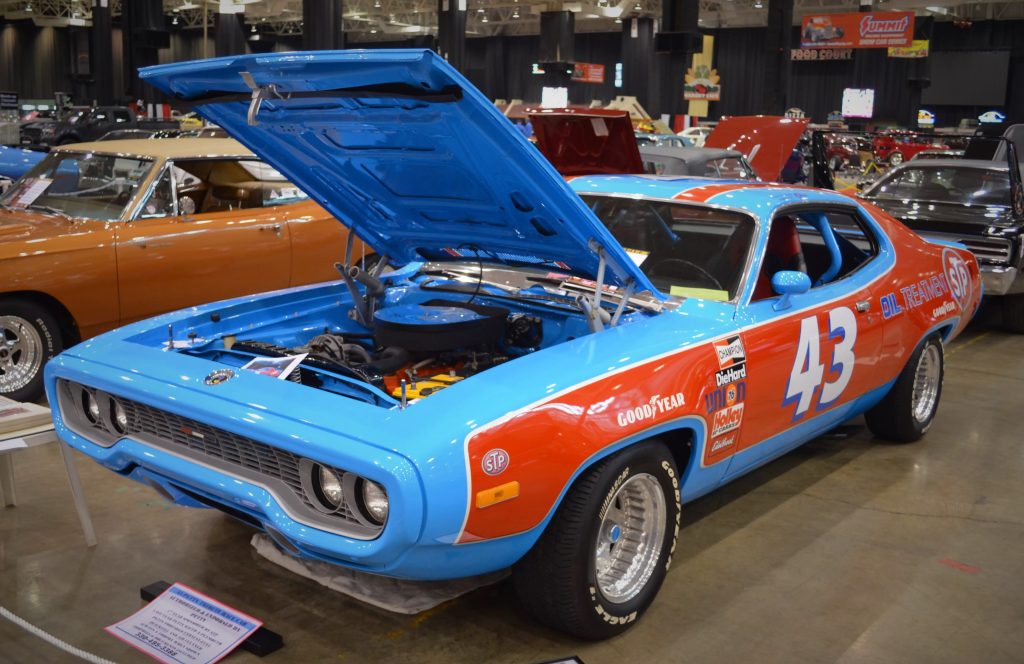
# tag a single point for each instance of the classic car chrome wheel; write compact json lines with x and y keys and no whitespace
{"x":603,"y":556}
{"x":927,"y":379}
{"x":629,"y":538}
{"x":896,"y":158}
{"x":21,"y":353}
{"x":905,"y":413}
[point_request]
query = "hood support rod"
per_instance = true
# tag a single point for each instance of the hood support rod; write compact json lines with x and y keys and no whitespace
{"x":259,"y":93}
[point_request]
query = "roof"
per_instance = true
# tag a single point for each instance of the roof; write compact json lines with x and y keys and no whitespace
{"x":165,"y":148}
{"x":690,"y":154}
{"x":758,"y":198}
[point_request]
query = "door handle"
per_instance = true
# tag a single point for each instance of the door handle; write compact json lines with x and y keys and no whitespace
{"x":863,"y":306}
{"x":272,"y":227}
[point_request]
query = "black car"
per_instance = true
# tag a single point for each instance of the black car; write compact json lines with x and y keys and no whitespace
{"x":977,"y":202}
{"x":89,"y":125}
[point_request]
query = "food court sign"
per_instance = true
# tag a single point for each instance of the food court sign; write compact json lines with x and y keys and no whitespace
{"x":857,"y":30}
{"x":701,"y":83}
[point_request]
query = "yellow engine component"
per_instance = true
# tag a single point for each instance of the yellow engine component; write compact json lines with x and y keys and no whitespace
{"x":424,"y":388}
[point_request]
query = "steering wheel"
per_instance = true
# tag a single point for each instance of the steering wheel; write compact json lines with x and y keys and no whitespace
{"x":689,"y":264}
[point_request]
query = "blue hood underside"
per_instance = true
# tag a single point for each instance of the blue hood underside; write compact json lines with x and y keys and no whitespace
{"x":406,"y":152}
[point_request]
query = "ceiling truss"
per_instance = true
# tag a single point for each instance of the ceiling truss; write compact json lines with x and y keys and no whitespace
{"x":378,"y":20}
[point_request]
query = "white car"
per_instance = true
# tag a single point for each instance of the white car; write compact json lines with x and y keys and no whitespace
{"x":696,"y":134}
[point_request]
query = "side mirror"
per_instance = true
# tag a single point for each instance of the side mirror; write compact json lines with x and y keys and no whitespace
{"x":788,"y":283}
{"x":186,"y":206}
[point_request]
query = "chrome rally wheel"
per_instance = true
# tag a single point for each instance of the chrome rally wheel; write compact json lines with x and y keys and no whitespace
{"x":927,"y":381}
{"x":21,"y":353}
{"x":629,"y":538}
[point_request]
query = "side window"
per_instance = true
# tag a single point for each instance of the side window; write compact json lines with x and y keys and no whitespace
{"x":826,"y":245}
{"x":122,"y":116}
{"x":99,"y":116}
{"x":221,"y":185}
{"x":161,"y":201}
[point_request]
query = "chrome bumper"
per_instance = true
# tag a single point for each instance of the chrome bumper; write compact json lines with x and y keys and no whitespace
{"x":1001,"y":280}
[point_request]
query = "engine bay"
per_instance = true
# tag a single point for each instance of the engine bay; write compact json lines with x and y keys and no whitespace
{"x":400,"y":339}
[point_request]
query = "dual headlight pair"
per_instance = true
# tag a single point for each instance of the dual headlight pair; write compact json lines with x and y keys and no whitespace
{"x":332,"y":491}
{"x":116,"y":418}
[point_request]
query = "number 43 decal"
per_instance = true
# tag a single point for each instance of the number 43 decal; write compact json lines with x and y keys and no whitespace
{"x":808,"y":371}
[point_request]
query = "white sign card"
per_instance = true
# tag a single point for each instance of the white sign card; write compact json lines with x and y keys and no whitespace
{"x":184,"y":626}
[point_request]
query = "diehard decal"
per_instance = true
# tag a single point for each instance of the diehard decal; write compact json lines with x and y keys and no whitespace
{"x":727,"y":420}
{"x":731,"y":375}
{"x":730,"y":352}
{"x":656,"y":406}
{"x":495,"y":462}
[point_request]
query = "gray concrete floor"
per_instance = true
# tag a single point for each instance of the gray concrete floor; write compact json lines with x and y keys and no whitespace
{"x":847,"y":550}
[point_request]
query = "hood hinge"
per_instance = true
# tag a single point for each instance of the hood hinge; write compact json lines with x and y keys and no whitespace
{"x":259,"y":93}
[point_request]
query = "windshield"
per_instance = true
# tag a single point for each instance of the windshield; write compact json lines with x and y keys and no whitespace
{"x":685,"y":250}
{"x":945,"y":184}
{"x":88,"y":185}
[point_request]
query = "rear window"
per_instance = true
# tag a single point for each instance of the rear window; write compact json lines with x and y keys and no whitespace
{"x":945,"y":184}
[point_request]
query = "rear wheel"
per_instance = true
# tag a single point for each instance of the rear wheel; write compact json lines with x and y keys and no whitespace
{"x":29,"y":338}
{"x":896,"y":158}
{"x":907,"y":411}
{"x":1013,"y":313}
{"x":605,"y":553}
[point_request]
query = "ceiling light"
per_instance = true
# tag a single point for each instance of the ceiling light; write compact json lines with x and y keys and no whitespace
{"x":515,"y":13}
{"x":484,"y":19}
{"x":758,"y":4}
{"x":174,"y":21}
{"x":638,"y":7}
{"x":376,"y":4}
{"x":618,"y":19}
{"x":373,"y":31}
{"x":28,"y":8}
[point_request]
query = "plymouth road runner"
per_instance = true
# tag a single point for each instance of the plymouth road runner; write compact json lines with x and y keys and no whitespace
{"x":549,"y":374}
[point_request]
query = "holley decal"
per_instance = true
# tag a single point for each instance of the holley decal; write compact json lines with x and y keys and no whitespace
{"x":727,"y":420}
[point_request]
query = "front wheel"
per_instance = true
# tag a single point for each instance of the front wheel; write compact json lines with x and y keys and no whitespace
{"x":29,"y":338}
{"x":896,"y":158}
{"x":604,"y":555}
{"x":907,"y":411}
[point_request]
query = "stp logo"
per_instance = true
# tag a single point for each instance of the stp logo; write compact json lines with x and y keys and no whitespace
{"x":958,"y":276}
{"x":495,"y":462}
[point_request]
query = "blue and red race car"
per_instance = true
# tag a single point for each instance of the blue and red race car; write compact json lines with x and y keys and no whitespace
{"x":552,"y":371}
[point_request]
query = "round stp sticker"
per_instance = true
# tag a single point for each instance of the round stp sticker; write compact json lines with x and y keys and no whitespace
{"x":958,"y":276}
{"x":495,"y":462}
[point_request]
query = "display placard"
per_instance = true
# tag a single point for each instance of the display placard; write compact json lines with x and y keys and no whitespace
{"x":184,"y":626}
{"x":858,"y":103}
{"x":585,"y":72}
{"x":8,"y":101}
{"x":857,"y":30}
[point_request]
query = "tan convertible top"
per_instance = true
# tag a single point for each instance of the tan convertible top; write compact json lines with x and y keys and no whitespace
{"x":164,"y":148}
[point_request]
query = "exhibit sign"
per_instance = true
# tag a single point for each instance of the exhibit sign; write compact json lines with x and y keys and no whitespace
{"x":857,"y":30}
{"x":925,"y":118}
{"x":184,"y":626}
{"x":585,"y":72}
{"x":991,"y":117}
{"x":858,"y":102}
{"x":821,"y":54}
{"x":8,"y":101}
{"x":917,"y":49}
{"x":701,"y":83}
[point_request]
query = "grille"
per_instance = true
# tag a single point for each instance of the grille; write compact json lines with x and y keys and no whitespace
{"x":175,"y":431}
{"x":988,"y":250}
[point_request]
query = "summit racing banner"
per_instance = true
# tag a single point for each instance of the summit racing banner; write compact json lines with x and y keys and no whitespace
{"x":859,"y":30}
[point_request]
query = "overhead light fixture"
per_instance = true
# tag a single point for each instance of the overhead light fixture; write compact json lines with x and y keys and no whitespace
{"x":638,"y":7}
{"x":481,"y":10}
{"x":28,"y":7}
{"x":618,"y":19}
{"x":376,"y":4}
{"x":174,"y":21}
{"x":515,"y":13}
{"x":485,"y":19}
{"x":373,"y":31}
{"x":758,"y":4}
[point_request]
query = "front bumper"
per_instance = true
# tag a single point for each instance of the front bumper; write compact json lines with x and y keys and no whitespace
{"x":1002,"y":280}
{"x":409,"y":546}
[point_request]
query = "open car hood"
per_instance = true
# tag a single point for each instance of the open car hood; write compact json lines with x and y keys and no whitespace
{"x":587,"y":141}
{"x":766,"y":140}
{"x":406,"y":152}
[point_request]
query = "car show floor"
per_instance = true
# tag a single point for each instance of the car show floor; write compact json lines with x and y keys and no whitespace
{"x":846,"y":550}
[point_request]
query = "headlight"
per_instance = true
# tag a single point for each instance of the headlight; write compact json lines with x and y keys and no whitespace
{"x":375,"y":501}
{"x":329,"y":488}
{"x":91,"y":407}
{"x":118,"y":417}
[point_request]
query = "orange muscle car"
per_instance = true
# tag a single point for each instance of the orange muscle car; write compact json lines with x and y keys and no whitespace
{"x":101,"y":234}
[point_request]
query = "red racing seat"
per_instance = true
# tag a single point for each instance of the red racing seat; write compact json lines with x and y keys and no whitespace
{"x":783,"y":252}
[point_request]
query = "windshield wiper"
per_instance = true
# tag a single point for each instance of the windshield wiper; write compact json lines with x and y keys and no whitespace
{"x":51,"y":210}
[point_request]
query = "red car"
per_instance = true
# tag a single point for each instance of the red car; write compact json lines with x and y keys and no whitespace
{"x":895,"y":147}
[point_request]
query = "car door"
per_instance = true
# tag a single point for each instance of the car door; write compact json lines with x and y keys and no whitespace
{"x":195,"y":240}
{"x":809,"y":359}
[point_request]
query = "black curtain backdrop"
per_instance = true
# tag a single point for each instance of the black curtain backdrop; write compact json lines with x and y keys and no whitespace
{"x":36,"y":62}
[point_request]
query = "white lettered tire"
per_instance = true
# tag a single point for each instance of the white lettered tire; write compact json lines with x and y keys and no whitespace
{"x":601,"y":560}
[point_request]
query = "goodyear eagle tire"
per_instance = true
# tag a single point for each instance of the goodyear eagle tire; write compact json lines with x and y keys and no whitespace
{"x":604,"y":555}
{"x":907,"y":411}
{"x":29,"y":338}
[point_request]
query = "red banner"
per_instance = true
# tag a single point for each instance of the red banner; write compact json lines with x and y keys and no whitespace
{"x":860,"y":30}
{"x":585,"y":72}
